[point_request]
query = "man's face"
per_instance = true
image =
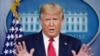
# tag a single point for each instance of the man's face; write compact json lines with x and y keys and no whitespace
{"x":51,"y":24}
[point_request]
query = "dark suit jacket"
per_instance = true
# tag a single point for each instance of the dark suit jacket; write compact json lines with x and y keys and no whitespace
{"x":36,"y":41}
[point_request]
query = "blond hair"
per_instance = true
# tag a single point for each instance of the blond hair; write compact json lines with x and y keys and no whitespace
{"x":52,"y":8}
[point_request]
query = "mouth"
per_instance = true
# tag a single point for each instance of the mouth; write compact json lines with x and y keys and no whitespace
{"x":51,"y":30}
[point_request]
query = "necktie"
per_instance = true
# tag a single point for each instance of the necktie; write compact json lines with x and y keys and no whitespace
{"x":51,"y":50}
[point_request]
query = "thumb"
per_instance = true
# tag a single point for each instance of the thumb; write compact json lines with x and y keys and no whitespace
{"x":32,"y":51}
{"x":73,"y":52}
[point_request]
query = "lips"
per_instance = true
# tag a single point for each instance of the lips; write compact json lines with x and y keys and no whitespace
{"x":51,"y":30}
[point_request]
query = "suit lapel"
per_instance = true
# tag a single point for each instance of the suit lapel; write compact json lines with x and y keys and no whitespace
{"x":63,"y":46}
{"x":40,"y":45}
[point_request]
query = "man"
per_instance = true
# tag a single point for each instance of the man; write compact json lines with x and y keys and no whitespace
{"x":49,"y":41}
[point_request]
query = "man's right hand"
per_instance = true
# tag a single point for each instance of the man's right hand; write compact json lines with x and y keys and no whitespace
{"x":22,"y":51}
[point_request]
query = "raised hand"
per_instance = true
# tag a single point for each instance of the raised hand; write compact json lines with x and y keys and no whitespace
{"x":22,"y":51}
{"x":84,"y":51}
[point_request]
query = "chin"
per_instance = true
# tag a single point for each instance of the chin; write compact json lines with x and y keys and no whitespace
{"x":52,"y":34}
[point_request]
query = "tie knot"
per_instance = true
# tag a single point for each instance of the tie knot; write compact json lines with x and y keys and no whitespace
{"x":51,"y":39}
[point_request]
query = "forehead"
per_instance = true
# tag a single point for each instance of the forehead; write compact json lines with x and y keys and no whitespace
{"x":50,"y":15}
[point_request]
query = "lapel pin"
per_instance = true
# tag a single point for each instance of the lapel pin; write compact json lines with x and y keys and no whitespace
{"x":65,"y":43}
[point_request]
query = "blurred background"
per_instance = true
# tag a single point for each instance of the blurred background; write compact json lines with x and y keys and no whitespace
{"x":4,"y":10}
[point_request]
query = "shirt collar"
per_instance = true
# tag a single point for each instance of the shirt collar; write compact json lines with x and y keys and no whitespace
{"x":47,"y":38}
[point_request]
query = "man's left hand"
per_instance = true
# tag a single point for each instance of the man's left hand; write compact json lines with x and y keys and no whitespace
{"x":84,"y":51}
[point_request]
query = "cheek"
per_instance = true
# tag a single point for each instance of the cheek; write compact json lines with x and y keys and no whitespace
{"x":58,"y":25}
{"x":44,"y":25}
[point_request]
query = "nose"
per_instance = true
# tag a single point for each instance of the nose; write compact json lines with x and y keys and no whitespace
{"x":51,"y":23}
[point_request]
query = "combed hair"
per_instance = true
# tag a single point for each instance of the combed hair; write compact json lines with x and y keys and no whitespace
{"x":51,"y":8}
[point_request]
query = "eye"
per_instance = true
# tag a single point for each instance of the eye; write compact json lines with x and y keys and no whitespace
{"x":55,"y":19}
{"x":47,"y":19}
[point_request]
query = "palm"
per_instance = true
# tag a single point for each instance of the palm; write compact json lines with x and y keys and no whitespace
{"x":81,"y":53}
{"x":25,"y":53}
{"x":84,"y":51}
{"x":22,"y":51}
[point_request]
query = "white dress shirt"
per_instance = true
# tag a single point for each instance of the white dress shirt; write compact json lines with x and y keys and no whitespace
{"x":55,"y":43}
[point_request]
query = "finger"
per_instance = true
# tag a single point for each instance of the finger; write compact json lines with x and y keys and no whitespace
{"x":15,"y":54}
{"x":20,"y":46}
{"x":17,"y":49}
{"x":82,"y":48}
{"x":89,"y":51}
{"x":92,"y":54}
{"x":32,"y":51}
{"x":24,"y":45}
{"x":86,"y":48}
{"x":73,"y":52}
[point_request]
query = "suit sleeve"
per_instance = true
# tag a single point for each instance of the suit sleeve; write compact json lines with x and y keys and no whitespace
{"x":78,"y":46}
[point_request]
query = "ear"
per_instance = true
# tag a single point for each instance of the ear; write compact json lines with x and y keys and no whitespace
{"x":40,"y":21}
{"x":62,"y":21}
